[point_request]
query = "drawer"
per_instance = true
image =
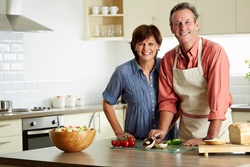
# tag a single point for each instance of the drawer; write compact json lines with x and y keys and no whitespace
{"x":11,"y":144}
{"x":10,"y":127}
{"x":241,"y":116}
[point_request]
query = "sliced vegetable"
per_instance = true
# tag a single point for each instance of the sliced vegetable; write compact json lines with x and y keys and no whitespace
{"x":174,"y":142}
{"x":71,"y":129}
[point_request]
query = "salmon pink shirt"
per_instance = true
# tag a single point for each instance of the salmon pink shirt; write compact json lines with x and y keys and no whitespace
{"x":215,"y":65}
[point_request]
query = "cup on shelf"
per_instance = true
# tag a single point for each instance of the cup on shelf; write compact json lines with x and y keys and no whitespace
{"x":97,"y":30}
{"x":118,"y":30}
{"x":105,"y":10}
{"x":103,"y":30}
{"x":110,"y":30}
{"x":113,"y":9}
{"x":96,"y":10}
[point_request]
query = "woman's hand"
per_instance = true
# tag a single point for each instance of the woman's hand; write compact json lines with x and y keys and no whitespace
{"x":192,"y":142}
{"x":123,"y":135}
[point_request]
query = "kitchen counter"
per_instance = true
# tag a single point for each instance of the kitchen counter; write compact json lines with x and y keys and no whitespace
{"x":240,"y":108}
{"x":100,"y":154}
{"x":53,"y":111}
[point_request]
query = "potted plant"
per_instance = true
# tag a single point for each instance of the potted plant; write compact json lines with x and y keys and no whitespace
{"x":247,"y":61}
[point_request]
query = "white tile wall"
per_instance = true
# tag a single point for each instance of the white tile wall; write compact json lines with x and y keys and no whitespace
{"x":30,"y":93}
{"x":240,"y":89}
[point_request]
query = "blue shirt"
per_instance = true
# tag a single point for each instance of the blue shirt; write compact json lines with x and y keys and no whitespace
{"x":129,"y":82}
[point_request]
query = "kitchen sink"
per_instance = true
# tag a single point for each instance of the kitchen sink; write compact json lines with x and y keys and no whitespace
{"x":20,"y":110}
{"x":14,"y":111}
{"x":7,"y":113}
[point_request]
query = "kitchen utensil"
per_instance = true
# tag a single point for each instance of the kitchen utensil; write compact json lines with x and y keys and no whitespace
{"x":58,"y":102}
{"x":148,"y":142}
{"x":70,"y":101}
{"x":5,"y":105}
{"x":79,"y":102}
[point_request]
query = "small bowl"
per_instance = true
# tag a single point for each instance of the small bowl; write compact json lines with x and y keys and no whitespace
{"x":72,"y":141}
{"x":215,"y":142}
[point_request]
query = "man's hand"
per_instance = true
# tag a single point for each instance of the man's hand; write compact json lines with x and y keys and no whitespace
{"x":192,"y":142}
{"x":158,"y":134}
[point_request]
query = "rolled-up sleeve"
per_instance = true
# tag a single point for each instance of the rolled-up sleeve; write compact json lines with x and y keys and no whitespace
{"x":113,"y":89}
{"x":216,"y":71}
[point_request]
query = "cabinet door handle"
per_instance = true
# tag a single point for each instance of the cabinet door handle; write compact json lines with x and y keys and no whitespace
{"x":99,"y":122}
{"x":91,"y":119}
{"x":4,"y":125}
{"x":153,"y":19}
{"x":4,"y":142}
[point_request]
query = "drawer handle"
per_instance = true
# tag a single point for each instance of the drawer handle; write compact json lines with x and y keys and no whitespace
{"x":4,"y":125}
{"x":5,"y":142}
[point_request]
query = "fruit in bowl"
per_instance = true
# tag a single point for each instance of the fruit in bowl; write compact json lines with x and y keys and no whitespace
{"x":72,"y":138}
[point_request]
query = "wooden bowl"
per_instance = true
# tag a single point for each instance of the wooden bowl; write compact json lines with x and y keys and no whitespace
{"x":72,"y":141}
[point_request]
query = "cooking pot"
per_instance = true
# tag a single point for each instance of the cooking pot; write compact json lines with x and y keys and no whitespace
{"x":5,"y":105}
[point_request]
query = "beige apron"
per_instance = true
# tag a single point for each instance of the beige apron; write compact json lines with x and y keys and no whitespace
{"x":190,"y":85}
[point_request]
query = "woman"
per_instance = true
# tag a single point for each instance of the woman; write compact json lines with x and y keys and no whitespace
{"x":136,"y":81}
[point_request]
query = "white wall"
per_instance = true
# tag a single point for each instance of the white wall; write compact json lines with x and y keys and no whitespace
{"x":43,"y":65}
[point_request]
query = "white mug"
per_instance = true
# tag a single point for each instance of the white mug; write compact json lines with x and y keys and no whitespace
{"x":114,"y":9}
{"x":96,"y":9}
{"x":105,"y":9}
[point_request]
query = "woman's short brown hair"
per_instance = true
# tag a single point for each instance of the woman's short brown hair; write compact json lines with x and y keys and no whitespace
{"x":143,"y":32}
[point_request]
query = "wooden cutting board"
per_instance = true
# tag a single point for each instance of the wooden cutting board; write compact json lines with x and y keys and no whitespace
{"x":223,"y":148}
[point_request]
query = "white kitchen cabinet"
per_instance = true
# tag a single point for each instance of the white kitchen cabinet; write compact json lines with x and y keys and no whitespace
{"x":105,"y":130}
{"x":91,"y":21}
{"x":216,"y":17}
{"x":96,"y":120}
{"x":137,"y":12}
{"x":241,"y":116}
{"x":11,"y":136}
{"x":243,"y":15}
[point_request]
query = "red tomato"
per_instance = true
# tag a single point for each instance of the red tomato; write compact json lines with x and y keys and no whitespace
{"x":116,"y":143}
{"x":113,"y":142}
{"x":132,"y":143}
{"x":125,"y":143}
{"x":131,"y":138}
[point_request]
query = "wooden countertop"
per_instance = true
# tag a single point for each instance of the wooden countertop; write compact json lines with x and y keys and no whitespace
{"x":100,"y":154}
{"x":53,"y":111}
